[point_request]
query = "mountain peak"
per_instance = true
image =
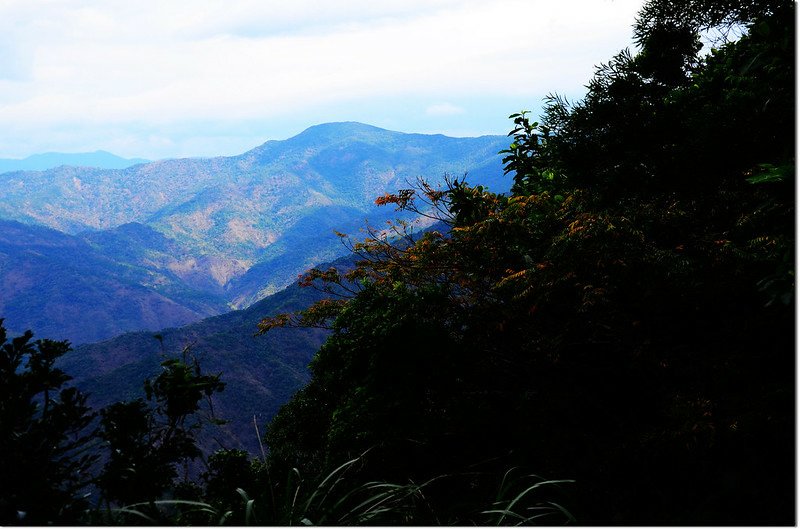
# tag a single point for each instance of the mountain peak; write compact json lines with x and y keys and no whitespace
{"x":342,"y":127}
{"x":352,"y":130}
{"x":327,"y":133}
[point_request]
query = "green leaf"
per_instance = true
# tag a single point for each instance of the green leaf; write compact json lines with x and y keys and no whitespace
{"x":770,"y":173}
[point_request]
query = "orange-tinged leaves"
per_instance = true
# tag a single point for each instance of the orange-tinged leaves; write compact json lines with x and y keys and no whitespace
{"x":319,"y":314}
{"x":272,"y":322}
{"x":402,"y":198}
{"x":331,"y":275}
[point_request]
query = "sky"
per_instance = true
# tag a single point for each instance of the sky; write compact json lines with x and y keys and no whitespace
{"x":164,"y":79}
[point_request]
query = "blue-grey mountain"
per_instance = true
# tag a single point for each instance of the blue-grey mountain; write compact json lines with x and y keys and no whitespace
{"x":49,"y":160}
{"x":232,"y":229}
{"x":260,"y":372}
{"x":64,"y":287}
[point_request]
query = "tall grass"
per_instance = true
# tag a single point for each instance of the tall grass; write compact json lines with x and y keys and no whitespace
{"x":516,"y":502}
{"x":521,"y":499}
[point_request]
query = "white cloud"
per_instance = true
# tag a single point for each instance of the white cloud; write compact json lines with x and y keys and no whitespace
{"x":153,"y":65}
{"x":444,"y":109}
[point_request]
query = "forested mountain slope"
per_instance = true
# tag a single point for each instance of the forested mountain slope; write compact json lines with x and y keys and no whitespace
{"x":206,"y":235}
{"x":260,"y":372}
{"x":63,"y":286}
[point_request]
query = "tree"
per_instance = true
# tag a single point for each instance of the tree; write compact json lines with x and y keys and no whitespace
{"x":146,"y":444}
{"x":624,"y":318}
{"x":45,"y":439}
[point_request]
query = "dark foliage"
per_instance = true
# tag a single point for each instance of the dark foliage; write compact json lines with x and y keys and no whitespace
{"x":147,"y":444}
{"x":45,"y":442}
{"x":625,"y":318}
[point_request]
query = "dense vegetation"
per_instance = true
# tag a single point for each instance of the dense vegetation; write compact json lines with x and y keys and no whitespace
{"x":623,"y":319}
{"x":621,"y":323}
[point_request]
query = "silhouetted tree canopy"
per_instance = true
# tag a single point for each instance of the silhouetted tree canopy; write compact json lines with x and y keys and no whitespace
{"x":45,"y":442}
{"x":624,"y":318}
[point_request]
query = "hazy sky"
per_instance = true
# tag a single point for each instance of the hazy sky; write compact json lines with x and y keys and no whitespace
{"x":157,"y":78}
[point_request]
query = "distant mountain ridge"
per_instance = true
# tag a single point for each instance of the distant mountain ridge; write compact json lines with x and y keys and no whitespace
{"x":49,"y":160}
{"x":228,"y":231}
